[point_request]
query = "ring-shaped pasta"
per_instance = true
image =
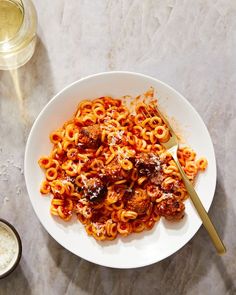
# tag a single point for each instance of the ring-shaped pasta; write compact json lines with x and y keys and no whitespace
{"x":89,"y":119}
{"x":137,"y":130}
{"x":57,"y":187}
{"x":66,"y":145}
{"x":124,"y":228}
{"x":157,"y":148}
{"x":44,"y":162}
{"x":155,"y":121}
{"x":72,"y":154}
{"x":118,"y":205}
{"x":202,"y":164}
{"x":85,"y":104}
{"x":145,"y":123}
{"x":188,"y":154}
{"x":45,"y":187}
{"x":53,"y":210}
{"x":145,"y":134}
{"x":69,"y":188}
{"x":59,"y":148}
{"x":83,"y":220}
{"x":138,"y":226}
{"x":51,"y":174}
{"x":56,"y":137}
{"x":71,"y":170}
{"x":141,"y":108}
{"x":70,"y":132}
{"x":130,"y":138}
{"x":110,"y":158}
{"x":55,"y":164}
{"x":57,"y":202}
{"x":99,"y":112}
{"x":66,"y":216}
{"x":112,"y":197}
{"x":162,"y":133}
{"x":126,"y":164}
{"x":138,"y":119}
{"x":191,"y":168}
{"x":141,"y":180}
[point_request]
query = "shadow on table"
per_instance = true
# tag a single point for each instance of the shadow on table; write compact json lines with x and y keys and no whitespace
{"x":29,"y":87}
{"x":15,"y":283}
{"x":222,"y":207}
{"x":178,"y":274}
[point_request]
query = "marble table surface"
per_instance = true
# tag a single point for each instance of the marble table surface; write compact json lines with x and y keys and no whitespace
{"x":191,"y":45}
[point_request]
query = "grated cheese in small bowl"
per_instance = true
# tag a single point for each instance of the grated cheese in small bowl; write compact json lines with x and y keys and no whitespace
{"x":10,"y":248}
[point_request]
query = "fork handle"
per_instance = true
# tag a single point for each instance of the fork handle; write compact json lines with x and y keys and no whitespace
{"x":201,"y":210}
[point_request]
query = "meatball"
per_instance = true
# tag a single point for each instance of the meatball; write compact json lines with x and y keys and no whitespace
{"x":112,"y":171}
{"x":171,"y":209}
{"x":94,"y":190}
{"x":147,"y":164}
{"x":138,"y":201}
{"x":90,"y":136}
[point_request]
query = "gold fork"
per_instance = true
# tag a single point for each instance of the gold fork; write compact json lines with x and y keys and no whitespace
{"x":172,"y":147}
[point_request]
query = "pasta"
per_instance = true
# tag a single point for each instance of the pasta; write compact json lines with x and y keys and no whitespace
{"x":108,"y":167}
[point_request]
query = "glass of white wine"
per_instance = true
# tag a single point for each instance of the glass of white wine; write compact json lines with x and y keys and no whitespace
{"x":18,"y":25}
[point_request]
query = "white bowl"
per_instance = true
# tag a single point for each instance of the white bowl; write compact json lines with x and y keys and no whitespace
{"x":135,"y":250}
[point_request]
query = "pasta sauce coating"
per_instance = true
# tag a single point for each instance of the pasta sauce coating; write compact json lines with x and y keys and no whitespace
{"x":108,"y":167}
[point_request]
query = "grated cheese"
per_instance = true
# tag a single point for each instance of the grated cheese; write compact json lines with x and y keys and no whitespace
{"x":116,"y":136}
{"x":8,"y":248}
{"x":167,"y":195}
{"x":119,"y":134}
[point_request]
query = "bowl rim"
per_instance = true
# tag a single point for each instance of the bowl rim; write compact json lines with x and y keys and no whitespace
{"x":104,"y":73}
{"x":19,"y":254}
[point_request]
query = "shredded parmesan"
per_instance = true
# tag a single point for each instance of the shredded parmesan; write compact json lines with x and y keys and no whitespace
{"x":8,"y":248}
{"x":113,"y":140}
{"x":100,"y":229}
{"x":84,"y":179}
{"x":119,"y":134}
{"x":116,"y":136}
{"x":167,"y":195}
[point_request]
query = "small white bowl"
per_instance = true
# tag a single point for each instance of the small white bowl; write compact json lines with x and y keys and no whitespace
{"x":18,"y":250}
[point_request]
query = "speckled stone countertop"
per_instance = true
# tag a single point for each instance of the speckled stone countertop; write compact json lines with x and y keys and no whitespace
{"x":191,"y":45}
